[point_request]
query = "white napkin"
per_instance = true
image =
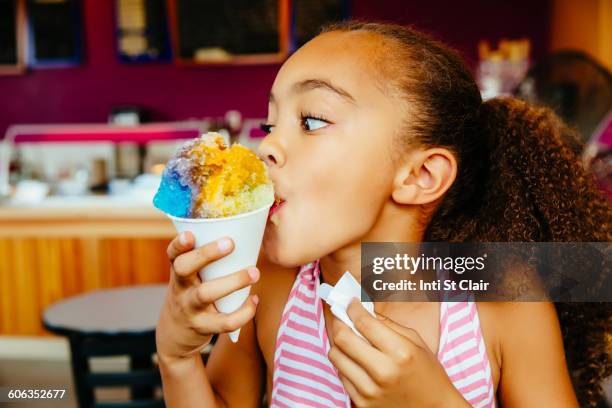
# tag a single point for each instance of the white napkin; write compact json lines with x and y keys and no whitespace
{"x":338,"y":298}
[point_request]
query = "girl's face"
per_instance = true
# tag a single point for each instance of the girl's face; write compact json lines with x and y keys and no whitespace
{"x":329,"y":149}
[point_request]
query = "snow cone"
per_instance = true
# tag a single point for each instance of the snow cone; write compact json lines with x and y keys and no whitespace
{"x":214,"y":190}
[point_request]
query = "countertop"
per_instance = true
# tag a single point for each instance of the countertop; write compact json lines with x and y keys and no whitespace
{"x":106,"y":215}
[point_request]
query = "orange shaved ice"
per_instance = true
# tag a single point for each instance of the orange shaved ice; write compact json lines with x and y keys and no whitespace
{"x":232,"y":180}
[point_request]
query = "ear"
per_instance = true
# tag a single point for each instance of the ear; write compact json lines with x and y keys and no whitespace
{"x":425,"y":176}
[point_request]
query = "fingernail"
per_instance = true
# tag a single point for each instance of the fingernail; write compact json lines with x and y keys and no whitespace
{"x":183,"y":239}
{"x":255,"y":299}
{"x":224,"y":244}
{"x":253,"y":273}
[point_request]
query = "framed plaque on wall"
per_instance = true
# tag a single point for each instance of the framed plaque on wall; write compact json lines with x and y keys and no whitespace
{"x":12,"y":37}
{"x":142,"y":30}
{"x":55,"y":36}
{"x":229,"y":31}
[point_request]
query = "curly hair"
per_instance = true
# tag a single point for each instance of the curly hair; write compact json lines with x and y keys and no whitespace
{"x":518,"y":178}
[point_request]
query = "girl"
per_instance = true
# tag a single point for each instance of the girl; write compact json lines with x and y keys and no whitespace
{"x":378,"y":133}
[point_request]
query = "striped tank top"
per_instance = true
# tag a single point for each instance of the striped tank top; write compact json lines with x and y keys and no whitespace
{"x":304,"y":377}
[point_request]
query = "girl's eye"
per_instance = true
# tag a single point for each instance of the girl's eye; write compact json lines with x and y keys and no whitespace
{"x":310,"y":123}
{"x":266,"y":128}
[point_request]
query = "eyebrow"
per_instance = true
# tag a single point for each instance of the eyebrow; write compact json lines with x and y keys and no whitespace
{"x":312,"y":84}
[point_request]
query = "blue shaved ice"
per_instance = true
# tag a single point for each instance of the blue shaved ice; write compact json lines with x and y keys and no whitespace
{"x":172,"y":196}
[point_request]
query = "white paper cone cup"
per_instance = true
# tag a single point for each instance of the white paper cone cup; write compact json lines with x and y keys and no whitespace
{"x":247,"y":232}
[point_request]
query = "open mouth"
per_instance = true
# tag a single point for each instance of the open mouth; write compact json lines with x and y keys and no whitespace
{"x":278,"y":202}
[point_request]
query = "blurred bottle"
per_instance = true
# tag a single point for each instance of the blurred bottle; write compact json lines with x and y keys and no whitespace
{"x":127,"y":160}
{"x":499,"y":71}
{"x":233,"y":124}
{"x":99,"y":176}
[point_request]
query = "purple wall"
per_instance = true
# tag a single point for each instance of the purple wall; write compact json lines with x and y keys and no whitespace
{"x":86,"y":93}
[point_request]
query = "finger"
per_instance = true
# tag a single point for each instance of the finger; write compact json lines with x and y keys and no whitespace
{"x":362,"y":382}
{"x":187,"y":265}
{"x":214,"y":289}
{"x":376,"y":332}
{"x":227,"y":322}
{"x":351,"y":390}
{"x":407,"y":332}
{"x":374,"y":362}
{"x":181,"y":243}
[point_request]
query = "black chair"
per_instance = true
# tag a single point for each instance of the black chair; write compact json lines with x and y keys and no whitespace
{"x":142,"y":378}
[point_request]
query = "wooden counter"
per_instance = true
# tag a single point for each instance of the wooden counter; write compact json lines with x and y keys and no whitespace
{"x":51,"y":252}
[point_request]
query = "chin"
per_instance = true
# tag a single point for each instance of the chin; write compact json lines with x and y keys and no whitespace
{"x":280,"y":255}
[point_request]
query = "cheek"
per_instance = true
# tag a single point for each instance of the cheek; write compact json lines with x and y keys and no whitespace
{"x":348,"y":189}
{"x":348,"y":205}
{"x":333,"y":206}
{"x":333,"y":200}
{"x":293,"y":240}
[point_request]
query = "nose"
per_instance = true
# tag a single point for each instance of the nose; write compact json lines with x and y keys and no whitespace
{"x":271,"y":152}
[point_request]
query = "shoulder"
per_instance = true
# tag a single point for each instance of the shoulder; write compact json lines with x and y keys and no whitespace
{"x":533,"y":367}
{"x":507,"y":316}
{"x":519,"y":327}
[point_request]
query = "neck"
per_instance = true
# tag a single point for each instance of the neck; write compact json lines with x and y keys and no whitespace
{"x":395,"y":224}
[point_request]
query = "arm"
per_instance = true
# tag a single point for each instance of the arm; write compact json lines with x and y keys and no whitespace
{"x":237,"y":371}
{"x":534,"y":371}
{"x":245,"y":361}
{"x":188,"y":320}
{"x":185,"y":383}
{"x":232,"y":376}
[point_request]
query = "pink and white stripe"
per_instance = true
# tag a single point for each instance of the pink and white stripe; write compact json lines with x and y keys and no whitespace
{"x":304,"y":376}
{"x":462,"y":351}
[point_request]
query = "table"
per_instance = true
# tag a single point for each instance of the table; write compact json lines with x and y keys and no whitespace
{"x":109,"y":322}
{"x":123,"y":310}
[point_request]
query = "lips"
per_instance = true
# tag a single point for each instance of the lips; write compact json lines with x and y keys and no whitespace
{"x":278,"y":202}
